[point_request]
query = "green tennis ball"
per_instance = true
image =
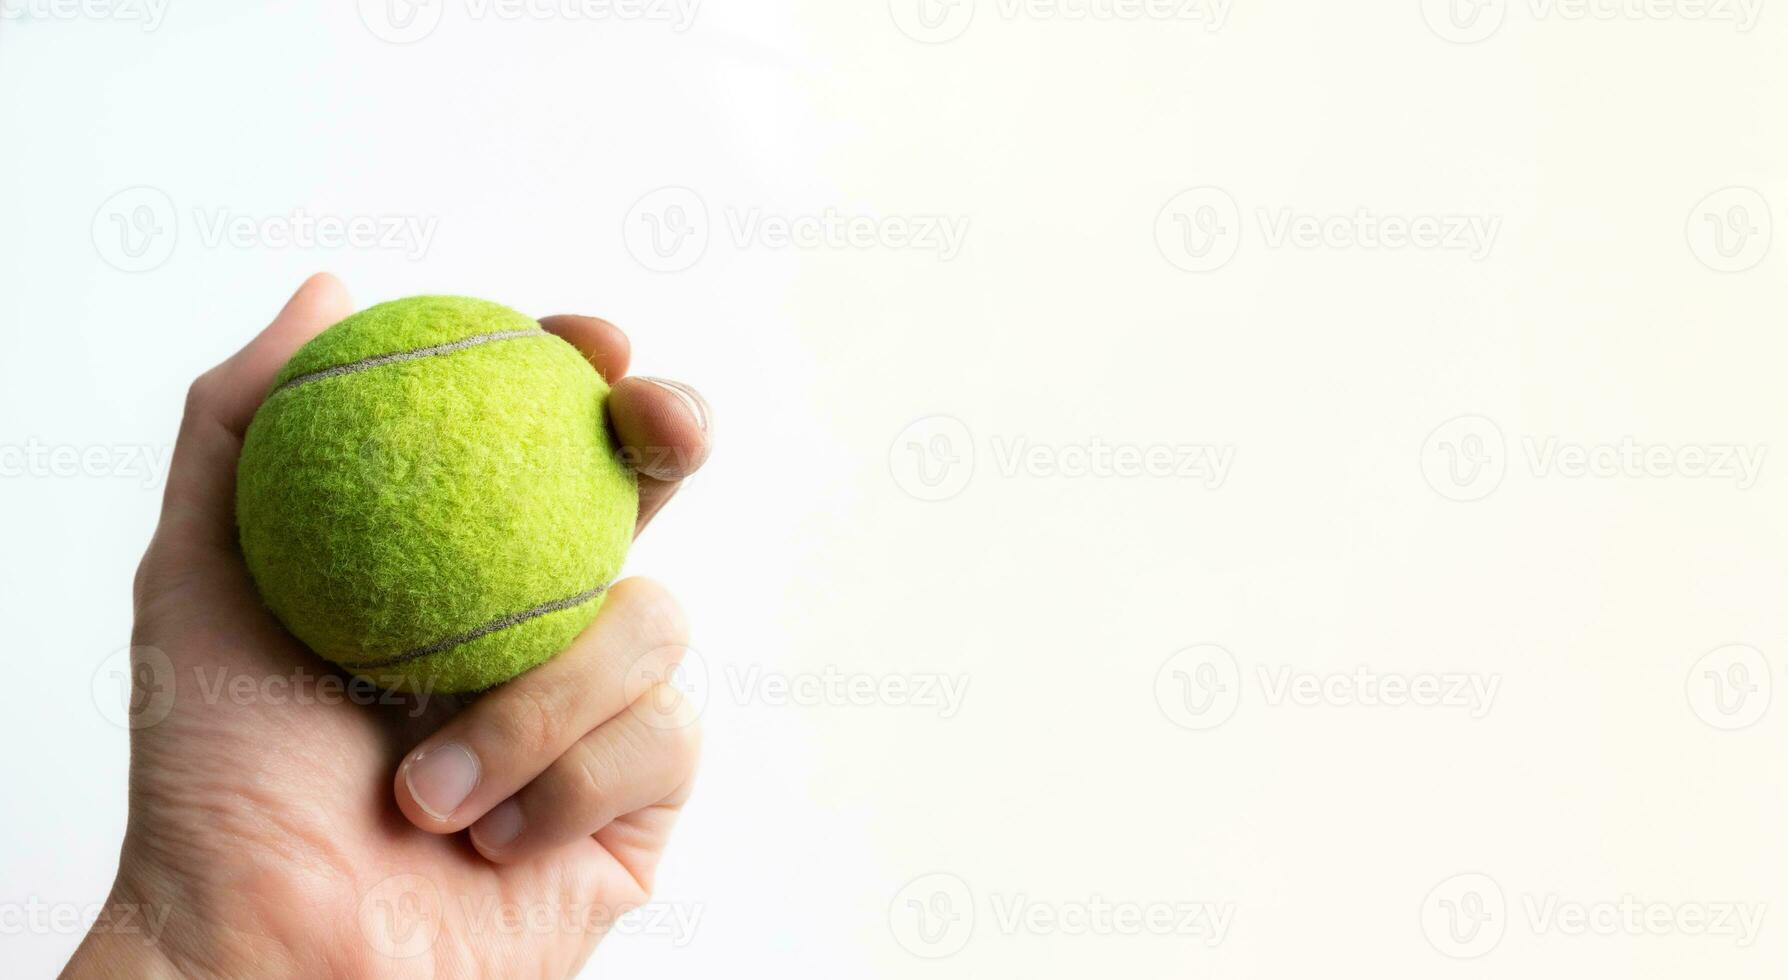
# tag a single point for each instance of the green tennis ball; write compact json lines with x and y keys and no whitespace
{"x":430,"y":496}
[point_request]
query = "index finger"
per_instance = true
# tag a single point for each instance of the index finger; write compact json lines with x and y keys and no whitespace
{"x":199,"y":499}
{"x":601,"y":342}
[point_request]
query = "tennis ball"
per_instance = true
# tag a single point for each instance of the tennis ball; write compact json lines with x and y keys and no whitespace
{"x":430,"y":497}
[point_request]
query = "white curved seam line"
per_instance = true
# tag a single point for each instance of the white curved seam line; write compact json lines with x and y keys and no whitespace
{"x":379,"y":360}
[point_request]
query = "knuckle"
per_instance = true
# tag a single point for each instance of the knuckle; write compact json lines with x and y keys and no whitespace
{"x":201,"y":394}
{"x":676,"y":720}
{"x":656,"y":616}
{"x":688,"y":740}
{"x":139,"y":583}
{"x":650,"y":668}
{"x":166,"y":565}
{"x":527,"y":721}
{"x":591,"y":779}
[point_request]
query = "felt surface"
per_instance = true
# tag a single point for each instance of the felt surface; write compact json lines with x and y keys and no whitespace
{"x":393,"y":508}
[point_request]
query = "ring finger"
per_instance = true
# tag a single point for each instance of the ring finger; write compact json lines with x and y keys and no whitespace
{"x":642,"y":757}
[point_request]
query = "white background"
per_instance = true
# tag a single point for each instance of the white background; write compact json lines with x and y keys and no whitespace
{"x":1091,"y":303}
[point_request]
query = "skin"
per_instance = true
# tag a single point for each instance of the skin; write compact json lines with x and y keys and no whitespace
{"x":273,"y":835}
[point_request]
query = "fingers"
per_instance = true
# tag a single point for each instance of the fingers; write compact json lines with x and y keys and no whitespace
{"x":664,"y":429}
{"x":637,"y":840}
{"x":199,"y":500}
{"x":241,"y":383}
{"x":643,"y":757}
{"x":602,"y":343}
{"x":514,"y":733}
{"x":662,"y":424}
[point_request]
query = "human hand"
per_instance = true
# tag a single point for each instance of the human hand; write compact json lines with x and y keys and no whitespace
{"x":286,"y":833}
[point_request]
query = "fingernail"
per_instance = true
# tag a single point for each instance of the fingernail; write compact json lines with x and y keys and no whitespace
{"x":698,"y":409}
{"x":498,"y":828}
{"x":441,"y":778}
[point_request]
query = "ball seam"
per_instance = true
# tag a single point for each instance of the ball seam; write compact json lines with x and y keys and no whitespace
{"x":397,"y":357}
{"x":495,"y":625}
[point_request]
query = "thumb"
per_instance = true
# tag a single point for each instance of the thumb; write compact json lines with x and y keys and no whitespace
{"x":198,"y":508}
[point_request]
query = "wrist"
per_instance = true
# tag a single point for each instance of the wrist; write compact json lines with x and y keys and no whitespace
{"x":125,"y":940}
{"x":152,"y":927}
